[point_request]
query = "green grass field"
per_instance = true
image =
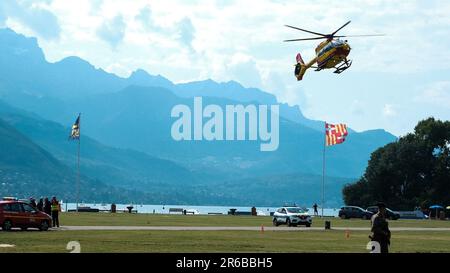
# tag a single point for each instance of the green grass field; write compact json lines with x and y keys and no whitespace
{"x":126,"y":219}
{"x":218,"y":241}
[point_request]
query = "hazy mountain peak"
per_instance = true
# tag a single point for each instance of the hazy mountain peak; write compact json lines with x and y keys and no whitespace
{"x":10,"y":37}
{"x":232,"y":83}
{"x":76,"y":63}
{"x":142,"y":77}
{"x":20,"y":46}
{"x":139,"y":73}
{"x":377,"y":132}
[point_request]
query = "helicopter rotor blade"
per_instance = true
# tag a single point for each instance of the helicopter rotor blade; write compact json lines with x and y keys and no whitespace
{"x":312,"y":32}
{"x":332,"y":34}
{"x":305,"y":39}
{"x":369,"y":35}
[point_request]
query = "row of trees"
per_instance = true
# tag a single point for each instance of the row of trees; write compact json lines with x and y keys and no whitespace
{"x":413,"y":171}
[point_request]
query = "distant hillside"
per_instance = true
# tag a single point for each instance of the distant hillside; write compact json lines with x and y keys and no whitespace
{"x":144,"y":113}
{"x":236,"y":92}
{"x":28,"y":170}
{"x":302,"y":189}
{"x":118,"y":167}
{"x":138,"y":118}
{"x":164,"y":181}
{"x":141,"y":178}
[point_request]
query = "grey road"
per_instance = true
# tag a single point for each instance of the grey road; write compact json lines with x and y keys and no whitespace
{"x":269,"y":228}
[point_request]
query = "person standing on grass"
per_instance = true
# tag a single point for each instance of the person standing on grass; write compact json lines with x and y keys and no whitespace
{"x":47,"y":206}
{"x":316,"y":212}
{"x":380,"y":229}
{"x":33,"y":202}
{"x":40,"y":205}
{"x":55,"y":211}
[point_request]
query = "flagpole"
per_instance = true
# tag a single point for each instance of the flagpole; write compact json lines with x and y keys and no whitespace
{"x":323,"y":167}
{"x":78,"y":160}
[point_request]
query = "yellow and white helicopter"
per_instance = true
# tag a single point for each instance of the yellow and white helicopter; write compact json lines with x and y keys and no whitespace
{"x":331,"y":53}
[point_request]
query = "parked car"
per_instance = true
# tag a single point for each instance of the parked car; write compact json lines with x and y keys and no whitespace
{"x":291,"y":216}
{"x":348,"y":212}
{"x":390,"y":214}
{"x":21,"y":215}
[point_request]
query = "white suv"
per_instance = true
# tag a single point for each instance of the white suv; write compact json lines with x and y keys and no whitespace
{"x":291,"y":216}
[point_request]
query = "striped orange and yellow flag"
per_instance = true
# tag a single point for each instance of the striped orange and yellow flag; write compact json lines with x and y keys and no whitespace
{"x":335,"y":133}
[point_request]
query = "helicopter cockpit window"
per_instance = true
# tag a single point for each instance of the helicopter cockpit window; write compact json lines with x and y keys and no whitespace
{"x":337,"y":42}
{"x":326,"y":48}
{"x":330,"y":45}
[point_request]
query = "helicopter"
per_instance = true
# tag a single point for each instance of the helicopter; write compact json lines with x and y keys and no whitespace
{"x":330,"y":54}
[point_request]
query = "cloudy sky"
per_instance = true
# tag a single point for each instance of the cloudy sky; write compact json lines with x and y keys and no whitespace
{"x":395,"y":80}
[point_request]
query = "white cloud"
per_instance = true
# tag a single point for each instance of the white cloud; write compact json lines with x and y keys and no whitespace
{"x":145,"y":17}
{"x":243,"y":68}
{"x":32,"y":16}
{"x":119,"y":69}
{"x":186,"y":31}
{"x":112,"y":31}
{"x":437,"y":93}
{"x":389,"y":111}
{"x":2,"y":16}
{"x":357,"y":108}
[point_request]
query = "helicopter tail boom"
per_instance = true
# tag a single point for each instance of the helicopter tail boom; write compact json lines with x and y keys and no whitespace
{"x":301,"y":67}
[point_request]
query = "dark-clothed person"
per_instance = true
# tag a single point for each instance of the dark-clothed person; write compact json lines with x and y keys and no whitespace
{"x":316,"y":212}
{"x":40,"y":205}
{"x":33,"y":202}
{"x":47,"y":206}
{"x":55,"y":212}
{"x":380,"y":229}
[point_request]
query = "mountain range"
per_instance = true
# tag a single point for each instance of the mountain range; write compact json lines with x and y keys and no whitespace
{"x":27,"y":170}
{"x":126,"y":142}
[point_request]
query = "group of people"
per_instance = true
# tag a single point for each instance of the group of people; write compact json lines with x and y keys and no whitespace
{"x":52,"y":208}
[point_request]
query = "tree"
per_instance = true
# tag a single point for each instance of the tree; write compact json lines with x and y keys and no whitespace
{"x":413,"y":171}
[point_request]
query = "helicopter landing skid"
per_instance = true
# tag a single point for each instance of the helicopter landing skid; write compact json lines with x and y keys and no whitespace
{"x":343,"y":67}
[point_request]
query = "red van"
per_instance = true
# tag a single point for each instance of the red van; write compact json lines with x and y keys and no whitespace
{"x":22,"y":215}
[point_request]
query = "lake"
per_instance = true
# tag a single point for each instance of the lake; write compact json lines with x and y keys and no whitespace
{"x":164,"y":209}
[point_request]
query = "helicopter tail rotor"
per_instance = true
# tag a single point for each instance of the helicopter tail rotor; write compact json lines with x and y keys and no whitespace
{"x":300,"y":67}
{"x":299,"y":59}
